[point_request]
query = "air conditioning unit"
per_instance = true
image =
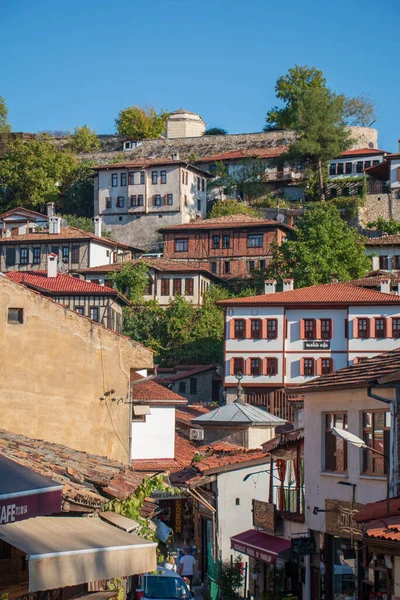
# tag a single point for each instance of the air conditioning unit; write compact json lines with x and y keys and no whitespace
{"x":196,"y":434}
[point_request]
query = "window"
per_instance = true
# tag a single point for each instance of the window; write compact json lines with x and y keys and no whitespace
{"x":384,"y":263}
{"x":396,"y":261}
{"x":123,"y":179}
{"x":154,"y":177}
{"x":359,"y":167}
{"x":10,"y":257}
{"x":272,"y":366}
{"x":340,"y":169}
{"x":94,"y":313}
{"x":36,"y":256}
{"x":203,"y":185}
{"x":183,"y":177}
{"x":133,"y":200}
{"x":163,"y":175}
{"x":255,"y":366}
{"x":79,"y":309}
{"x":308,"y":366}
{"x":227,"y":267}
{"x":309,"y":329}
{"x":170,"y":199}
{"x":326,"y":366}
{"x":185,"y":200}
{"x":272,"y":329}
{"x":375,"y":162}
{"x":226,"y":241}
{"x":367,"y":164}
{"x":140,"y":200}
{"x":157,"y":200}
{"x":214,"y":268}
{"x":108,"y":202}
{"x":239,"y":329}
{"x":376,"y":434}
{"x":255,"y":240}
{"x":131,"y":178}
{"x":141,"y":177}
{"x":363,"y":328}
{"x":15,"y":316}
{"x":165,"y":287}
{"x":186,"y":177}
{"x":349,"y":168}
{"x":380,"y":328}
{"x":23,"y":256}
{"x":255,"y":329}
{"x":75,"y":255}
{"x":199,"y":204}
{"x":335,"y":448}
{"x":189,"y":285}
{"x":238,"y":365}
{"x":396,"y":328}
{"x":326,"y":329}
{"x":182,"y":387}
{"x":215,"y":241}
{"x":177,"y":287}
{"x":198,"y":183}
{"x":261,"y":265}
{"x":332,"y":169}
{"x":120,"y":202}
{"x":193,"y":385}
{"x":148,"y":288}
{"x":114,"y":180}
{"x":181,"y":245}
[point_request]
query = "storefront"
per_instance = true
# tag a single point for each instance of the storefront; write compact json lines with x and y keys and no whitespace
{"x":176,"y":511}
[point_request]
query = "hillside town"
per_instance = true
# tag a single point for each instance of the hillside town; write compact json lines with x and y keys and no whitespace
{"x":214,"y":413}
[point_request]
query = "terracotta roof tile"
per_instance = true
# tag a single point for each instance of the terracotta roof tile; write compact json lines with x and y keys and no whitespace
{"x":143,"y":163}
{"x":232,"y":221}
{"x":385,"y":240}
{"x":153,"y":393}
{"x":159,"y":264}
{"x":66,"y":233}
{"x":246,"y":153}
{"x":363,"y":152}
{"x":19,"y":209}
{"x":384,"y":529}
{"x":288,"y":437}
{"x":328,"y":294}
{"x":375,"y":278}
{"x":185,"y":451}
{"x":219,"y":461}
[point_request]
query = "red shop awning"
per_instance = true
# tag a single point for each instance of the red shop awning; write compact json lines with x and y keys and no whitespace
{"x":260,"y":546}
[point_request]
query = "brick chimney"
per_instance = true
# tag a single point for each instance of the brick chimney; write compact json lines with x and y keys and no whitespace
{"x":269,"y":286}
{"x":386,"y":287}
{"x":288,"y":285}
{"x":50,"y":209}
{"x":52,"y":265}
{"x":97,"y":226}
{"x":54,"y":225}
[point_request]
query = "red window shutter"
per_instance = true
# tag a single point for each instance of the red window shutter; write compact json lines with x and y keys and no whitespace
{"x":355,"y":328}
{"x":285,"y":325}
{"x":372,"y":321}
{"x":302,"y":366}
{"x":369,"y":328}
{"x":302,"y":329}
{"x":232,"y":366}
{"x":355,"y":360}
{"x":264,"y":366}
{"x":264,"y":328}
{"x":331,"y":365}
{"x":154,"y":200}
{"x":247,"y":368}
{"x":317,"y":328}
{"x":165,"y":198}
{"x":398,"y":174}
{"x":319,"y":366}
{"x":389,"y":327}
{"x":232,"y":329}
{"x":247,"y":328}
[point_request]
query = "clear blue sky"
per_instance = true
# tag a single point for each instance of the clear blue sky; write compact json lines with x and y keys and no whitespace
{"x":80,"y":61}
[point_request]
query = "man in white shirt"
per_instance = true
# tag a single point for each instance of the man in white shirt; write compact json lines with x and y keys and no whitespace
{"x":186,"y":565}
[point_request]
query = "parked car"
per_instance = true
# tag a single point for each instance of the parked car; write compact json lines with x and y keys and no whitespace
{"x":163,"y":584}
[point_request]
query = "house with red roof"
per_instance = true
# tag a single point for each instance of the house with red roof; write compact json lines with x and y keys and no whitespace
{"x":282,"y":339}
{"x":353,"y":163}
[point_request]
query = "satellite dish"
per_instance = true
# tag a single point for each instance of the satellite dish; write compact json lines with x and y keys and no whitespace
{"x":280,"y":218}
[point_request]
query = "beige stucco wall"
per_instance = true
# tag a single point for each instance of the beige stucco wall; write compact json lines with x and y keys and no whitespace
{"x":54,"y":369}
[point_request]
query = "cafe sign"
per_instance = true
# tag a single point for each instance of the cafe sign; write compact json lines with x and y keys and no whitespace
{"x":317,"y":345}
{"x":264,"y":516}
{"x":340,"y":519}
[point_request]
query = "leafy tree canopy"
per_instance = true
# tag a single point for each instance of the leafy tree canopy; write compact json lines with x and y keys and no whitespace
{"x":225,"y":208}
{"x":390,"y":226}
{"x":215,"y":131}
{"x":360,"y":111}
{"x":83,"y":140}
{"x":4,"y":124}
{"x":323,"y":247}
{"x":131,"y":280}
{"x":78,"y":198}
{"x":141,"y":123}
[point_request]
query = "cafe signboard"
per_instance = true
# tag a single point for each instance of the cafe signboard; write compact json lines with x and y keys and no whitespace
{"x":264,"y":516}
{"x":340,"y":519}
{"x":316,"y":345}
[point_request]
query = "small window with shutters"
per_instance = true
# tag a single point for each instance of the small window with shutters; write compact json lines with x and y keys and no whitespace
{"x":335,"y":448}
{"x":238,"y":366}
{"x":384,"y":263}
{"x":309,"y":329}
{"x":363,"y":328}
{"x":326,"y":366}
{"x":308,"y":366}
{"x":255,"y":366}
{"x":396,"y":328}
{"x":255,"y":329}
{"x":326,"y":329}
{"x":380,"y":328}
{"x":239,"y":329}
{"x":272,"y":366}
{"x":272,"y":329}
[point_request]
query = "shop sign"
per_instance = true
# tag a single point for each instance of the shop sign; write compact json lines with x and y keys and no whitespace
{"x":340,"y":519}
{"x":24,"y":507}
{"x":178,"y":516}
{"x":264,"y":516}
{"x":303,"y":545}
{"x":251,"y":551}
{"x":317,"y":345}
{"x":159,"y":495}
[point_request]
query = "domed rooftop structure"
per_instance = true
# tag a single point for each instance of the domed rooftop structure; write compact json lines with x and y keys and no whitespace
{"x":183,"y":123}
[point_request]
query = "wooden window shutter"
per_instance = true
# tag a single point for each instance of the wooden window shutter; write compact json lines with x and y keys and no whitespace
{"x":317,"y":329}
{"x":247,"y":368}
{"x":154,"y":200}
{"x":302,"y":329}
{"x":264,"y":328}
{"x":285,"y":326}
{"x":302,"y":366}
{"x":264,"y":366}
{"x":385,"y":327}
{"x":331,"y":364}
{"x":247,"y":328}
{"x":232,"y":366}
{"x":373,"y":328}
{"x":165,"y":199}
{"x":232,"y":329}
{"x":389,"y":327}
{"x":319,"y":366}
{"x":398,"y":174}
{"x":355,"y":328}
{"x":369,"y":328}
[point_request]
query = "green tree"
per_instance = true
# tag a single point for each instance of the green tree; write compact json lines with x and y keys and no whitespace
{"x":323,"y":247}
{"x":78,"y":198}
{"x":215,"y":131}
{"x":390,"y":226}
{"x":34,"y":172}
{"x":289,"y":89}
{"x":141,"y":123}
{"x":321,"y":131}
{"x":360,"y":111}
{"x":83,"y":140}
{"x":4,"y":124}
{"x":131,"y":280}
{"x":226,"y":208}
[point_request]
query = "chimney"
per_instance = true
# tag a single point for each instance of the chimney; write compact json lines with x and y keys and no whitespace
{"x":97,"y":226}
{"x":375,"y":263}
{"x":52,"y":265}
{"x":54,"y":225}
{"x":50,"y":209}
{"x":269,"y":286}
{"x":175,"y":155}
{"x":290,"y":220}
{"x":385,"y":286}
{"x":288,"y":285}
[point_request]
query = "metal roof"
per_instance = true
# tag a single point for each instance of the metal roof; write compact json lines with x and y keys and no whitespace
{"x":17,"y":480}
{"x":239,"y":414}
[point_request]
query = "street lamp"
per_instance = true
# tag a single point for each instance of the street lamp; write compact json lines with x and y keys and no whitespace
{"x":359,"y":443}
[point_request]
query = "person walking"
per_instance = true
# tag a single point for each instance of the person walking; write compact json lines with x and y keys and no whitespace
{"x":186,"y":565}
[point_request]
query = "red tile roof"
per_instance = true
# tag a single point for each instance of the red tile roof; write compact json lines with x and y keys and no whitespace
{"x":185,"y":451}
{"x":387,"y":530}
{"x":218,"y":462}
{"x":384,"y":240}
{"x":363,"y":152}
{"x":374,"y":279}
{"x":143,"y":163}
{"x":232,"y":221}
{"x":327,"y":294}
{"x":66,"y":233}
{"x":243,"y":154}
{"x":393,"y":156}
{"x":159,"y":264}
{"x":19,"y":209}
{"x":62,"y":284}
{"x":282,"y":440}
{"x":153,"y":393}
{"x":361,"y":374}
